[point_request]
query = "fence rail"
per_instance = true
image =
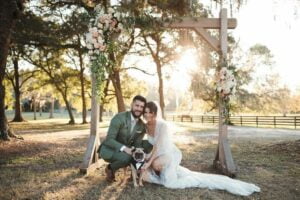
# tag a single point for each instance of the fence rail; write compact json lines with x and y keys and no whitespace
{"x":269,"y":121}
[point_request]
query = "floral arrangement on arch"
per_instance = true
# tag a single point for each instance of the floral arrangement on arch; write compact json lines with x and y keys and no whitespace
{"x":105,"y":27}
{"x":226,"y":82}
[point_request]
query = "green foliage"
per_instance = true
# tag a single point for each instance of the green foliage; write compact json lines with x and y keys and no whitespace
{"x":9,"y":94}
{"x":98,"y":69}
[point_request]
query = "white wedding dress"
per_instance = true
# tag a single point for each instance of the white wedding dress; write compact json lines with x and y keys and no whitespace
{"x":175,"y":176}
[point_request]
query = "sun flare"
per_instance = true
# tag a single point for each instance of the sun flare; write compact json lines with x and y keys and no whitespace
{"x":181,"y":77}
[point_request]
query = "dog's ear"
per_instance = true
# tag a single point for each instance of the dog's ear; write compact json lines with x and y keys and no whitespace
{"x":133,"y":149}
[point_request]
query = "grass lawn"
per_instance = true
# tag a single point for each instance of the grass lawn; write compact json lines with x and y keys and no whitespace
{"x":45,"y":166}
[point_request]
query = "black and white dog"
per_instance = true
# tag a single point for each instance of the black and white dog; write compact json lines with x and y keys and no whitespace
{"x":137,"y":162}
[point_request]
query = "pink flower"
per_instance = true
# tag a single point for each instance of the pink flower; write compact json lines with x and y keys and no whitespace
{"x":113,"y":23}
{"x":95,"y":34}
{"x":96,"y":45}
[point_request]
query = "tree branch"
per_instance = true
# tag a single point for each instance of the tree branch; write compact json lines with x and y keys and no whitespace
{"x":136,"y":68}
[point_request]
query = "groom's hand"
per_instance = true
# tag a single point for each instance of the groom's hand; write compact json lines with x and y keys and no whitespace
{"x":128,"y":150}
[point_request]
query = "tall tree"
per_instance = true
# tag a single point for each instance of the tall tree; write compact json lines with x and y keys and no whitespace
{"x":63,"y":78}
{"x":10,"y":11}
{"x":162,"y":55}
{"x":18,"y":78}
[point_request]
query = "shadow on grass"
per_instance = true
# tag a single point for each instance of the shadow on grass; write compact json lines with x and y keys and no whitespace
{"x":40,"y":128}
{"x":30,"y":169}
{"x":49,"y":127}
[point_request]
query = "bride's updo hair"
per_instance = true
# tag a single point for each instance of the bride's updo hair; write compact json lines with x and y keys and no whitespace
{"x":152,"y":107}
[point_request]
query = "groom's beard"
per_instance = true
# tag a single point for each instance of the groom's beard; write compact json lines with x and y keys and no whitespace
{"x":136,"y":114}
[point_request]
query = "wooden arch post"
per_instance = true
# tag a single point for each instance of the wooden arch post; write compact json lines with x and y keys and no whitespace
{"x":90,"y":159}
{"x":223,"y":160}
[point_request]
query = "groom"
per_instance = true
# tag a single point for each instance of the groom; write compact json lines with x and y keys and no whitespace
{"x":126,"y":129}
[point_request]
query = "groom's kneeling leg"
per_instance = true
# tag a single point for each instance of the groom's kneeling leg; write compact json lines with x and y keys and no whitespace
{"x":119,"y":160}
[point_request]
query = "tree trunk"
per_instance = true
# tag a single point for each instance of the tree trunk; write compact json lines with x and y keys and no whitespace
{"x":3,"y":120}
{"x":155,"y":56}
{"x":9,"y":12}
{"x":82,"y":87}
{"x":34,"y":108}
{"x":101,"y":108}
{"x":115,"y":79}
{"x":160,"y":89}
{"x":105,"y":92}
{"x":72,"y":120}
{"x":40,"y":108}
{"x":51,"y":108}
{"x":18,"y":113}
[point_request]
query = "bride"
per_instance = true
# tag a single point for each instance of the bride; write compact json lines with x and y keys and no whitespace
{"x":163,"y":166}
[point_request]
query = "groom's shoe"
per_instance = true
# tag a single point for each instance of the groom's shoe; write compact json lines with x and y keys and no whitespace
{"x":110,"y":176}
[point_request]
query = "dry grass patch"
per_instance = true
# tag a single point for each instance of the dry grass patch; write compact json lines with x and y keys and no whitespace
{"x":35,"y":169}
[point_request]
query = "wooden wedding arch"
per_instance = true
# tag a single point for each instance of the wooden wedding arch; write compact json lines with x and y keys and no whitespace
{"x":223,"y":160}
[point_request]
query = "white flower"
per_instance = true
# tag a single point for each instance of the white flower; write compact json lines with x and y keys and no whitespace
{"x":120,"y":26}
{"x":226,"y":90}
{"x":100,"y":40}
{"x":91,"y":52}
{"x":110,"y":10}
{"x":89,"y":46}
{"x":99,"y":25}
{"x":88,"y":37}
{"x":226,"y":82}
{"x":233,"y":90}
{"x":93,"y":29}
{"x":117,"y":15}
{"x":106,"y":26}
{"x":98,"y":8}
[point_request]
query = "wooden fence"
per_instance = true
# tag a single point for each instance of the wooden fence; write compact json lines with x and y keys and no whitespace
{"x":258,"y":121}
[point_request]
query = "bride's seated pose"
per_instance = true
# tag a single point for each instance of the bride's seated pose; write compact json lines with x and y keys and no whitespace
{"x":163,"y":166}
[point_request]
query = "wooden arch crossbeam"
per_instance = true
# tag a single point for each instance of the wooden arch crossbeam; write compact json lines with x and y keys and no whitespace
{"x":223,"y":159}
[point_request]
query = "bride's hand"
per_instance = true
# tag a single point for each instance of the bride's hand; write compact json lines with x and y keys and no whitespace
{"x":146,"y":166}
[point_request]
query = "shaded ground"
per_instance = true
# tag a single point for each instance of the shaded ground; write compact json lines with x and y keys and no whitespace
{"x":45,"y":164}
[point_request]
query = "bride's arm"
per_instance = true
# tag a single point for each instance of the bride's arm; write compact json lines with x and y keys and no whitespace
{"x":158,"y":142}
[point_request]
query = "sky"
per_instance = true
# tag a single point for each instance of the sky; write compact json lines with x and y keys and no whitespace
{"x":276,"y":25}
{"x":272,"y":23}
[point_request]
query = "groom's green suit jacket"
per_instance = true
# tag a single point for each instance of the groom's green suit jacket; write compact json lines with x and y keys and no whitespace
{"x":119,"y":134}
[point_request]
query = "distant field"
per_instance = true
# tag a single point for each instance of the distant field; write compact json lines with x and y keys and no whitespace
{"x":59,"y":117}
